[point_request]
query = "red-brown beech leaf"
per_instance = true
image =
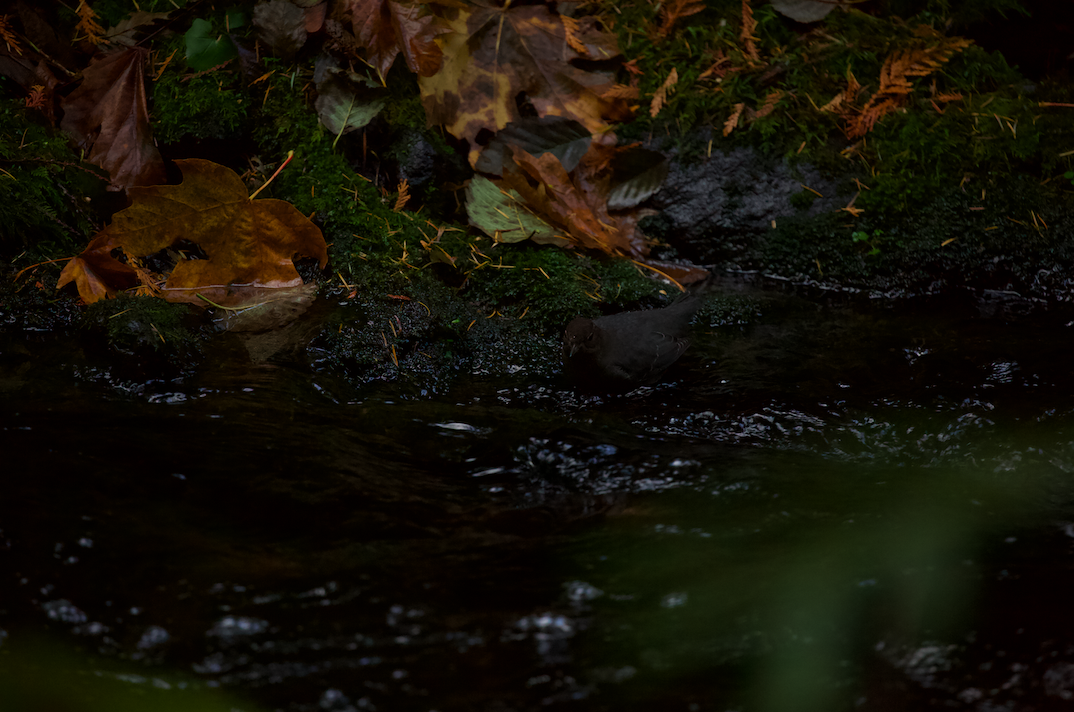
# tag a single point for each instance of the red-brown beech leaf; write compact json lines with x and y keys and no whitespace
{"x":386,"y":28}
{"x":108,"y":116}
{"x":250,"y":244}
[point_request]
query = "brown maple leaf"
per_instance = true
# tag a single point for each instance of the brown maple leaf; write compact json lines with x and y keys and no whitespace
{"x":108,"y":116}
{"x":250,"y":244}
{"x":97,"y":274}
{"x":494,"y":54}
{"x":385,"y":28}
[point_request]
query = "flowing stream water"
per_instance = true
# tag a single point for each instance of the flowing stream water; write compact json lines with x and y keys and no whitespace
{"x":835,"y":504}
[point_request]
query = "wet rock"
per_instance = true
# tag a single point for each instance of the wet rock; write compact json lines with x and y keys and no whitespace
{"x":734,"y":194}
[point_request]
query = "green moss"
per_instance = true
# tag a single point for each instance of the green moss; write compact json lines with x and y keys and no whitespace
{"x":45,"y":209}
{"x":200,"y":106}
{"x":1001,"y":242}
{"x":803,"y":200}
{"x":112,"y":12}
{"x":929,"y":145}
{"x":143,"y":324}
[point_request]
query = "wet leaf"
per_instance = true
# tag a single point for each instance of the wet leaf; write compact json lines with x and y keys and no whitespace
{"x":499,"y":213}
{"x":315,"y":15}
{"x":281,"y":26}
{"x":346,"y":102}
{"x":573,"y":204}
{"x":268,"y":309}
{"x":108,"y":116}
{"x":565,"y":138}
{"x":126,"y":32}
{"x":97,"y":274}
{"x":637,"y":173}
{"x":250,"y":244}
{"x":806,"y":10}
{"x":493,"y":54}
{"x":206,"y":49}
{"x":386,"y":28}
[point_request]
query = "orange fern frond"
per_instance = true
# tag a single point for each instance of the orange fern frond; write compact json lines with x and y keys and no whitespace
{"x":895,"y":84}
{"x":674,"y":11}
{"x":87,"y":23}
{"x":661,"y":95}
{"x":748,"y":26}
{"x":732,"y":121}
{"x":8,"y":35}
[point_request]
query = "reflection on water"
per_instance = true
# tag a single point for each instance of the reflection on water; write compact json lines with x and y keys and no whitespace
{"x":824,"y":510}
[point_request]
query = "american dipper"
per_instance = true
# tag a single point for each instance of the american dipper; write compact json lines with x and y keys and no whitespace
{"x":623,"y":351}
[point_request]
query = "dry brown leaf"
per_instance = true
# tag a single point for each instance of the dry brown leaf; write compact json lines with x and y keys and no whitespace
{"x":315,"y":17}
{"x":250,"y":244}
{"x":494,"y":55}
{"x":385,"y":28}
{"x":108,"y":116}
{"x":576,"y":204}
{"x":97,"y":274}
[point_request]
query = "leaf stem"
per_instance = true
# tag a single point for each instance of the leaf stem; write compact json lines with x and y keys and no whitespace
{"x":218,"y":306}
{"x":290,"y":155}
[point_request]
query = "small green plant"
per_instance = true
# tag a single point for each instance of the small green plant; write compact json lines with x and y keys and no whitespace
{"x":1069,"y":175}
{"x":864,"y":239}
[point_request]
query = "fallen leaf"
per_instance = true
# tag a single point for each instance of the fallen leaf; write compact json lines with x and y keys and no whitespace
{"x":97,"y":274}
{"x":637,"y":173}
{"x":315,"y":15}
{"x":206,"y":49}
{"x":565,"y":138}
{"x":386,"y":28}
{"x":108,"y":116}
{"x":281,"y":26}
{"x":250,"y":244}
{"x":573,"y":204}
{"x":494,"y":54}
{"x":806,"y":10}
{"x":126,"y":32}
{"x":500,"y":214}
{"x":346,"y":101}
{"x":268,"y":309}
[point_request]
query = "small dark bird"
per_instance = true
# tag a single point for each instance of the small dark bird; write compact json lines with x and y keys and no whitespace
{"x":623,"y":351}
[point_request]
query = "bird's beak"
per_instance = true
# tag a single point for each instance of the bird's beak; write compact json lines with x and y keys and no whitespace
{"x":574,"y":347}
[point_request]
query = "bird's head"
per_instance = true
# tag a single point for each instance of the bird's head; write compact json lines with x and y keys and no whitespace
{"x":581,"y":335}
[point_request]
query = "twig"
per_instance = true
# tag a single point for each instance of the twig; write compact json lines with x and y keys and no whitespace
{"x":290,"y":155}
